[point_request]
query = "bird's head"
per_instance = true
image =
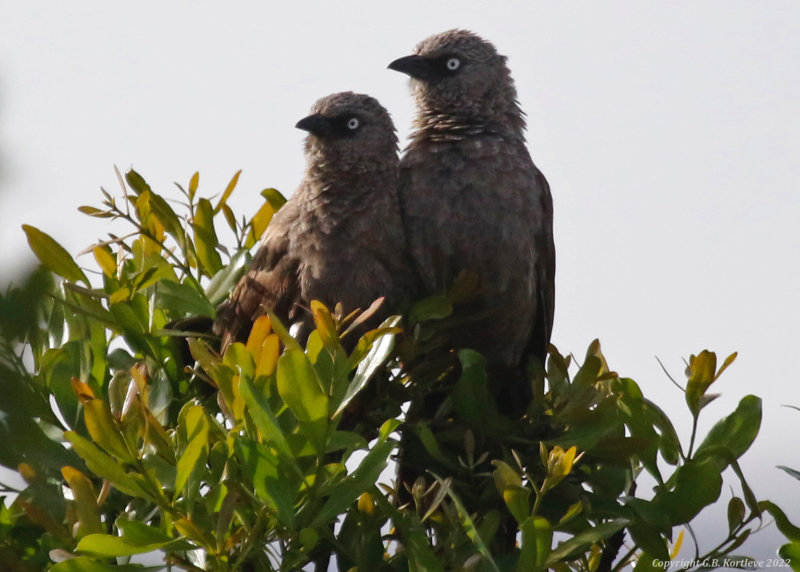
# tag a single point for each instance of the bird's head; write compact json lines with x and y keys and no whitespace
{"x":458,"y":73}
{"x":349,"y":131}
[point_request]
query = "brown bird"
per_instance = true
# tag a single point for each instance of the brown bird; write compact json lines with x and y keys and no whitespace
{"x":472,"y":200}
{"x":339,"y":238}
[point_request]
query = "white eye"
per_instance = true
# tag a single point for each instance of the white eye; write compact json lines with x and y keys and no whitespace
{"x":453,"y":64}
{"x":353,"y":123}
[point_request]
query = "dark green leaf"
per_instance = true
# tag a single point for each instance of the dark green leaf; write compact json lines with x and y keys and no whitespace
{"x":789,"y":530}
{"x":432,"y":308}
{"x":791,"y":472}
{"x":697,"y":485}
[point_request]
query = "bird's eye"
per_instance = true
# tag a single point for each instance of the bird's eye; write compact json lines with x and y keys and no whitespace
{"x":453,"y":64}
{"x":353,"y":123}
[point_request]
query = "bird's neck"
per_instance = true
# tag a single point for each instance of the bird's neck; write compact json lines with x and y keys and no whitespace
{"x":433,"y":125}
{"x":336,"y":183}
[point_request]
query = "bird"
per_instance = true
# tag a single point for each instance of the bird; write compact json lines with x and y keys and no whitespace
{"x":474,"y":204}
{"x":339,"y":238}
{"x":473,"y":201}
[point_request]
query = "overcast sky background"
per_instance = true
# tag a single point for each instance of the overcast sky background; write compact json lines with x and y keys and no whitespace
{"x":669,"y":132}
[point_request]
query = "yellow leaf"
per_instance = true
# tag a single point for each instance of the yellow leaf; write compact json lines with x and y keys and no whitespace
{"x":366,"y":504}
{"x":268,"y":356}
{"x":261,"y":220}
{"x":677,"y":547}
{"x":193,"y":183}
{"x":82,"y":390}
{"x":261,"y":329}
{"x":326,"y":325}
{"x":106,"y":262}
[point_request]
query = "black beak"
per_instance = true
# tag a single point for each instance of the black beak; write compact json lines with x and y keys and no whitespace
{"x":417,"y":67}
{"x":317,"y":124}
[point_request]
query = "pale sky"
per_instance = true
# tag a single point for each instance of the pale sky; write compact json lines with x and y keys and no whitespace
{"x":669,"y":132}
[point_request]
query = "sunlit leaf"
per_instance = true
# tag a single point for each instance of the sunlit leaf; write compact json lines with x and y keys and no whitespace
{"x":196,"y":427}
{"x":205,"y":238}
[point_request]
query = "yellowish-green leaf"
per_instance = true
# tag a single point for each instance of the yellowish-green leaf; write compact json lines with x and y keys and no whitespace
{"x":505,"y":476}
{"x":194,"y":182}
{"x":103,"y":429}
{"x":105,"y":466}
{"x":196,"y":426}
{"x":537,"y":540}
{"x":228,"y":190}
{"x":205,"y":237}
{"x":85,"y":501}
{"x":299,"y":387}
{"x":106,"y":262}
{"x":53,"y":256}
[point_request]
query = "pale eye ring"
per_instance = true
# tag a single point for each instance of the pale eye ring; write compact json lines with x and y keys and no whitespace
{"x":353,"y":123}
{"x":453,"y":64}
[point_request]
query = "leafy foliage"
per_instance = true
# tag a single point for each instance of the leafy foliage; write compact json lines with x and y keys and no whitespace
{"x":252,"y":460}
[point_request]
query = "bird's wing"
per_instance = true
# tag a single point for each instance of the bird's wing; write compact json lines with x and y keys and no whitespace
{"x":269,"y":286}
{"x":544,"y":275}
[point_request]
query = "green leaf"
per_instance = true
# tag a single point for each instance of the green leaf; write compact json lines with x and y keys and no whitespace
{"x":106,"y":467}
{"x":228,"y":190}
{"x":265,"y":420}
{"x":382,"y":347}
{"x":223,"y":281}
{"x":107,"y":545}
{"x":471,"y":397}
{"x":789,"y":530}
{"x":299,"y":387}
{"x":468,"y":525}
{"x":184,"y":299}
{"x":85,"y":500}
{"x":737,"y":431}
{"x":205,"y":237}
{"x":736,"y":513}
{"x":537,"y":539}
{"x":196,"y":426}
{"x":431,"y":308}
{"x":86,"y":564}
{"x":53,"y":256}
{"x":791,"y":472}
{"x":272,"y":484}
{"x":136,"y":182}
{"x":649,"y":539}
{"x":103,"y":429}
{"x":363,"y":479}
{"x":697,"y":485}
{"x":421,"y":557}
{"x":167,"y":217}
{"x":583,"y":540}
{"x":791,"y":553}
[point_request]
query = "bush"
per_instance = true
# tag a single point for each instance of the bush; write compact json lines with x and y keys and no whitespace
{"x":254,"y":460}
